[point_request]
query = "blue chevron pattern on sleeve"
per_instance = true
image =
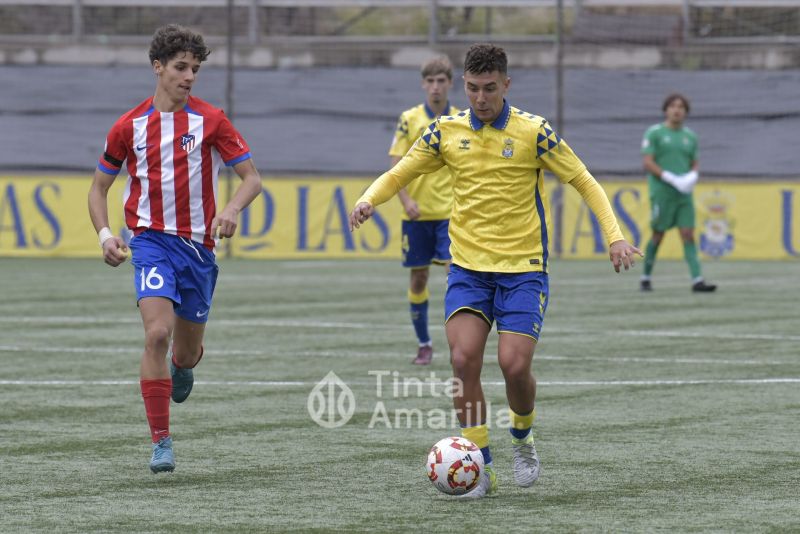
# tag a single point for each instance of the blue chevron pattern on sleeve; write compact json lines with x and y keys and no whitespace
{"x":402,"y":125}
{"x":432,"y":136}
{"x":546,"y":140}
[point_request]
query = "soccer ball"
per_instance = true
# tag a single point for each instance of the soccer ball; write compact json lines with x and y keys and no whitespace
{"x":455,"y":465}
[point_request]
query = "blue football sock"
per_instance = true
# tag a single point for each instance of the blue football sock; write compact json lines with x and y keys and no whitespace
{"x":419,"y":315}
{"x":487,"y":456}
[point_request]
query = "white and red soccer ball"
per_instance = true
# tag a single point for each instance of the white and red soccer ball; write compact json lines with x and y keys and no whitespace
{"x":455,"y":465}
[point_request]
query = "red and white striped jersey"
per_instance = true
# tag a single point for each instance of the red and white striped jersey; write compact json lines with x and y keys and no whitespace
{"x":172,"y":161}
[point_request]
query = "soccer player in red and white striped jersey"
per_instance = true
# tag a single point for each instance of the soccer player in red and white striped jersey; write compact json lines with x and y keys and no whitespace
{"x":171,"y":146}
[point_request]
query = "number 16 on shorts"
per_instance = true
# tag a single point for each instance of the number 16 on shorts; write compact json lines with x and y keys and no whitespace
{"x":155,"y":281}
{"x":152,"y":280}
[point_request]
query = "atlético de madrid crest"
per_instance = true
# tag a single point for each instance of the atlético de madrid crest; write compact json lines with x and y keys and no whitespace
{"x":187,"y":142}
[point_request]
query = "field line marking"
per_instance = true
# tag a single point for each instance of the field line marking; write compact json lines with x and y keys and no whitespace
{"x":304,"y":383}
{"x":377,"y":326}
{"x":136,"y":349}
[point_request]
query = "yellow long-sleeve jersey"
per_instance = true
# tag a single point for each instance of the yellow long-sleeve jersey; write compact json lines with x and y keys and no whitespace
{"x":500,"y":214}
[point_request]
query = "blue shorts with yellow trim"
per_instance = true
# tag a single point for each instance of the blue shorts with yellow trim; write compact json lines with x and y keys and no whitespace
{"x":176,"y":268}
{"x":425,"y":242}
{"x":517,"y":301}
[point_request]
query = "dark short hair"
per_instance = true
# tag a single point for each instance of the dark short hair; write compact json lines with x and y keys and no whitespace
{"x":168,"y":41}
{"x":437,"y":65}
{"x":672,"y":97}
{"x":485,"y":57}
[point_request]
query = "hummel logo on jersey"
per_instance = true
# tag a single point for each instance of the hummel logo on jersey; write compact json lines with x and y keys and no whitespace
{"x":187,"y":142}
{"x":142,"y":147}
{"x":203,"y":314}
{"x":464,"y":144}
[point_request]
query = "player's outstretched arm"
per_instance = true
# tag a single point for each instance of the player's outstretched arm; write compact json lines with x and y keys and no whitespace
{"x":620,"y":251}
{"x":416,"y":162}
{"x":622,"y":254}
{"x":360,"y":214}
{"x":409,"y":204}
{"x":226,"y":221}
{"x":381,"y":190}
{"x":115,"y":251}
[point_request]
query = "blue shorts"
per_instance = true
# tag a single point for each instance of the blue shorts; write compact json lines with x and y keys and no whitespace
{"x":516,"y":300}
{"x":425,"y":242}
{"x":176,"y":268}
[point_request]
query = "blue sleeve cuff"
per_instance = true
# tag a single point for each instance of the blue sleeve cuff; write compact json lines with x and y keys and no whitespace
{"x":108,"y":170}
{"x":240,"y":159}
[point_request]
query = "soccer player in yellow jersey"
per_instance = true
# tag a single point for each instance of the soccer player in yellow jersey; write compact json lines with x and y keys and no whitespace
{"x":427,"y":201}
{"x":500,"y":239}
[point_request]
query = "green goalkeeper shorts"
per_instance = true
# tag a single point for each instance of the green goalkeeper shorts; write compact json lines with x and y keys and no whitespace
{"x":671,"y":210}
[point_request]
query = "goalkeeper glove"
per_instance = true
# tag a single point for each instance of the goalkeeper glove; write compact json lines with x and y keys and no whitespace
{"x":670,"y":178}
{"x":684,"y":183}
{"x":688,"y":181}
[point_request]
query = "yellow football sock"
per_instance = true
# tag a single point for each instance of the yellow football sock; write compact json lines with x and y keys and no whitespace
{"x":418,"y":298}
{"x":521,"y":422}
{"x":479,"y":435}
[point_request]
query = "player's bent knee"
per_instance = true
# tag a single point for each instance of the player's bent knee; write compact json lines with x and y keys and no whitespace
{"x":419,"y":279}
{"x":465,"y":366}
{"x":157,"y":337}
{"x":516,"y":371}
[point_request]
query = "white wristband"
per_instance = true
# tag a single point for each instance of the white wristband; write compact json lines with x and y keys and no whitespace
{"x":104,"y":235}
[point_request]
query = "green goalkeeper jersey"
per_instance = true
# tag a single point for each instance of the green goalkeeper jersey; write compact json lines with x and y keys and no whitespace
{"x":674,"y":150}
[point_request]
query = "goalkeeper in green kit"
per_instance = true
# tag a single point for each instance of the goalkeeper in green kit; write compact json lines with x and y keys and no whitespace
{"x":670,"y":158}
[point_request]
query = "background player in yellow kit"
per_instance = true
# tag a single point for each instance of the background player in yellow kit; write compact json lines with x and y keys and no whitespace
{"x":427,"y":201}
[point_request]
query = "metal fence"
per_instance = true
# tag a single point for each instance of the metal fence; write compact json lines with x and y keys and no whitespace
{"x":429,"y":22}
{"x":598,"y":69}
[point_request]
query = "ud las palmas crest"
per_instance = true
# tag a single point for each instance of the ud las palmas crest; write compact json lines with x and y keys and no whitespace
{"x":716,"y":238}
{"x":508,"y":148}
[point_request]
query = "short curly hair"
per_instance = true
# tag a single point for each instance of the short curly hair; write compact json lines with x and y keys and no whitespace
{"x":168,"y":41}
{"x":485,"y":57}
{"x":672,"y":98}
